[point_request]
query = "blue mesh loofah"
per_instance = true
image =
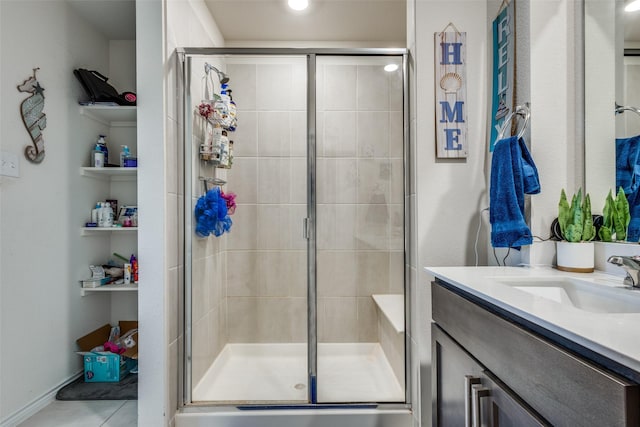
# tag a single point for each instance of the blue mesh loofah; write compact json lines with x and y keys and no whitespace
{"x":211,"y":214}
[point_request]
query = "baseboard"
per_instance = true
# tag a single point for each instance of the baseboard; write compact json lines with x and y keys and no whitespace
{"x":36,"y":405}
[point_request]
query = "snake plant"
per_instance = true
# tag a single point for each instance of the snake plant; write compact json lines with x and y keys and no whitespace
{"x":615,"y":217}
{"x":575,"y":220}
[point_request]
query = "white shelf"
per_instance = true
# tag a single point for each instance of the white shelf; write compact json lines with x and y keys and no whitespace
{"x":392,"y":306}
{"x":86,"y":231}
{"x":114,"y":174}
{"x":109,"y":288}
{"x":121,"y":115}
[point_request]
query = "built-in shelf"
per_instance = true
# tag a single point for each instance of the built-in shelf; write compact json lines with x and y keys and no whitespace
{"x":118,"y":115}
{"x":86,"y":231}
{"x":114,"y":174}
{"x":109,"y":288}
{"x":392,"y":306}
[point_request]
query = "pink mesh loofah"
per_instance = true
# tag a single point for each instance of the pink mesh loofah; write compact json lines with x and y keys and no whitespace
{"x":230,"y":198}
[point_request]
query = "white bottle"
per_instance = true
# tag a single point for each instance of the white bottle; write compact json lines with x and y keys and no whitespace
{"x":127,"y":273}
{"x":108,"y":215}
{"x":123,"y":154}
{"x":101,"y":215}
{"x":94,"y":213}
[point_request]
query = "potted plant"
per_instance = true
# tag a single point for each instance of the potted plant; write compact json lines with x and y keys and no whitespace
{"x":575,"y":250}
{"x":615,"y":218}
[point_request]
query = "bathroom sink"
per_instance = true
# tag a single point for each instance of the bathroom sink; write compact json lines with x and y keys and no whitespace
{"x":581,"y":294}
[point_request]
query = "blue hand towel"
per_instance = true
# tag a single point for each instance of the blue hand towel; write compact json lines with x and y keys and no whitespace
{"x":628,"y":177}
{"x":633,"y":231}
{"x":627,"y":167}
{"x":513,"y":173}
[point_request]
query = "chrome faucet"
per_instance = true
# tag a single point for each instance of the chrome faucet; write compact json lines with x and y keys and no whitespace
{"x":630,"y":264}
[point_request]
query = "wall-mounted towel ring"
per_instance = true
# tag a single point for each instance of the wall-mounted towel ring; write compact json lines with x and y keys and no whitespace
{"x":520,"y":110}
{"x":621,"y":109}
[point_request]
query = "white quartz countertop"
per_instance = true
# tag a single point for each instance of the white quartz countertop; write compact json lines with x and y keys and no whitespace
{"x":613,"y":335}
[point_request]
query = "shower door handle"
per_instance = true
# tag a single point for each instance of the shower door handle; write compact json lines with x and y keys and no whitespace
{"x":306,"y":232}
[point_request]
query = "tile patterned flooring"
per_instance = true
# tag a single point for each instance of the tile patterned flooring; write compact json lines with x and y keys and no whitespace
{"x":87,"y":413}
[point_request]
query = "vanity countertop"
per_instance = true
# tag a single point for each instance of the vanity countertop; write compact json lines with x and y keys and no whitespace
{"x":615,"y":336}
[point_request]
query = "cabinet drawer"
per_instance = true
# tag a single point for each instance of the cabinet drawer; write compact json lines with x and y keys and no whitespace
{"x":564,"y":389}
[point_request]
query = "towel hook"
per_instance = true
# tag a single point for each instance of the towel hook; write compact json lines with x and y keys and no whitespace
{"x":521,"y":110}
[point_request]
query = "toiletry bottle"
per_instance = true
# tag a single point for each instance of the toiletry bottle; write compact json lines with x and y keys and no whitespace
{"x":127,"y":267}
{"x":124,"y":154}
{"x":224,"y":150}
{"x":226,"y":102}
{"x":108,"y":221}
{"x":101,"y":215}
{"x":94,"y":213}
{"x":97,"y":157}
{"x":103,"y":147}
{"x":134,"y":267}
{"x":233,"y":111}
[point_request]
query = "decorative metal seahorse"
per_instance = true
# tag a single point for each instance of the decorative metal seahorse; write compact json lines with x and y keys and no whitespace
{"x":33,"y":118}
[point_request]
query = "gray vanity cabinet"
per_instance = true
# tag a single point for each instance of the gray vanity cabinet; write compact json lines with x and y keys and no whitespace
{"x":523,"y":379}
{"x":469,"y":395}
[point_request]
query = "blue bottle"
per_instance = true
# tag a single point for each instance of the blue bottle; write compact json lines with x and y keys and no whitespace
{"x":103,"y":147}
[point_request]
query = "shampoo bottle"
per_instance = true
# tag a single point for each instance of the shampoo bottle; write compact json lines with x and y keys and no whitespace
{"x":124,"y":154}
{"x":102,"y":144}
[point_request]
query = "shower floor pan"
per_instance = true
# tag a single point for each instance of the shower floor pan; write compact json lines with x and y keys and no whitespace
{"x":278,"y":372}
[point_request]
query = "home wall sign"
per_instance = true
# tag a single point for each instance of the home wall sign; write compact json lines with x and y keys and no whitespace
{"x":31,"y":110}
{"x":451,"y":93}
{"x":504,"y":41}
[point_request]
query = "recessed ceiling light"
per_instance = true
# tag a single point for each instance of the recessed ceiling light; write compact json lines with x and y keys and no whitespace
{"x":298,"y":4}
{"x":392,"y":67}
{"x":633,"y":6}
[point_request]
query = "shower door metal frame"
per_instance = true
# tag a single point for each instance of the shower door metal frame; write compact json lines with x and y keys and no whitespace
{"x":184,"y":359}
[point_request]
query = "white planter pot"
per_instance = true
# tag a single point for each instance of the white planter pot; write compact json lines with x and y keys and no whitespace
{"x":575,"y":257}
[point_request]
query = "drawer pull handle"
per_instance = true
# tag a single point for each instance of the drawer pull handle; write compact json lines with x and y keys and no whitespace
{"x":469,"y":381}
{"x":478,"y":392}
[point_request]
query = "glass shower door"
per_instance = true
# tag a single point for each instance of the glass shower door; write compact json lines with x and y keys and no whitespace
{"x":248,"y":287}
{"x":360,"y":229}
{"x":302,"y":301}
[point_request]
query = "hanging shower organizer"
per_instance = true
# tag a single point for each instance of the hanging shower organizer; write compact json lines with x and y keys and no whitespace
{"x":220,"y":113}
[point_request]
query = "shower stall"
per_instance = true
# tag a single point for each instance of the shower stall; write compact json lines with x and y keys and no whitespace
{"x":302,"y":302}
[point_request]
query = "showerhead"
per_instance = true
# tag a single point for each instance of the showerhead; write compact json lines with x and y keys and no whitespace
{"x":222,"y":77}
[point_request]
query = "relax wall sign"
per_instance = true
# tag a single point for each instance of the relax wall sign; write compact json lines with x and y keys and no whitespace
{"x":451,"y":93}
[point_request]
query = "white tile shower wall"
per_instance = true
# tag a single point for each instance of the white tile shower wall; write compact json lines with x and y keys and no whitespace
{"x":208,"y":257}
{"x":360,"y":195}
{"x":265,"y":252}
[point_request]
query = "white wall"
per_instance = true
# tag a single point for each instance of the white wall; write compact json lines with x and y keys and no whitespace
{"x":448,"y":193}
{"x":185,"y":23}
{"x":457,"y":190}
{"x":42,"y":253}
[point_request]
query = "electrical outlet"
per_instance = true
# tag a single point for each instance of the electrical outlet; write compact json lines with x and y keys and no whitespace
{"x":9,"y":164}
